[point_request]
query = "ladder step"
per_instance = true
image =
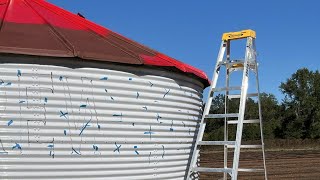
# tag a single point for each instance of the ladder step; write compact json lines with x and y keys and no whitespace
{"x":234,"y":96}
{"x":231,"y":88}
{"x":246,"y":146}
{"x":222,"y":115}
{"x":252,"y":121}
{"x":235,"y":64}
{"x":250,"y":170}
{"x":208,"y":143}
{"x":232,"y":62}
{"x":212,"y":170}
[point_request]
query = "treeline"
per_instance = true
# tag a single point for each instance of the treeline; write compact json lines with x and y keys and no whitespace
{"x":297,"y":116}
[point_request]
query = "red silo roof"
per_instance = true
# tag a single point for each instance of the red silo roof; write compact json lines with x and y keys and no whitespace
{"x":36,"y":27}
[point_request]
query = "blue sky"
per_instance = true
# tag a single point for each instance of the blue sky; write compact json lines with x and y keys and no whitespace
{"x":288,"y":32}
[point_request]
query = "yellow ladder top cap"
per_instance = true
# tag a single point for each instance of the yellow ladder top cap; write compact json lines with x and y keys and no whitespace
{"x":238,"y":35}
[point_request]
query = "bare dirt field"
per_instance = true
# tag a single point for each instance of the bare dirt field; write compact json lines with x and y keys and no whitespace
{"x":286,"y":164}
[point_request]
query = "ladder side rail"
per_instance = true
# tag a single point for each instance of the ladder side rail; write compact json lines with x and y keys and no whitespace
{"x":243,"y":98}
{"x":260,"y":116}
{"x":201,"y":130}
{"x":225,"y":147}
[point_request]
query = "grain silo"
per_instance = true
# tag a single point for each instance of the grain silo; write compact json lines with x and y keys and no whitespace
{"x":80,"y":101}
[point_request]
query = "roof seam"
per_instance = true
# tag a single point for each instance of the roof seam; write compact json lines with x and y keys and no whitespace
{"x":126,"y":50}
{"x":5,"y":14}
{"x":84,"y":24}
{"x":62,"y":39}
{"x":131,"y":42}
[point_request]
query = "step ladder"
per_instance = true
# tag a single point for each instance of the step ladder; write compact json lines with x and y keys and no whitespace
{"x":246,"y":65}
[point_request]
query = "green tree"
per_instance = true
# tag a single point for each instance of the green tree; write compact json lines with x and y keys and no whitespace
{"x":271,"y":115}
{"x":270,"y":112}
{"x":301,"y":105}
{"x":214,"y":127}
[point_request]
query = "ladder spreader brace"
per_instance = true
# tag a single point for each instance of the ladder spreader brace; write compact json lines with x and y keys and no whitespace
{"x":248,"y":64}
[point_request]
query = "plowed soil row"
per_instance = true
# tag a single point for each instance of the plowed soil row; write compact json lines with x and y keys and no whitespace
{"x":288,"y":164}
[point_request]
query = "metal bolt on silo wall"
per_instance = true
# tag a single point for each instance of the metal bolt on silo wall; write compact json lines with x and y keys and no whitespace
{"x":112,"y":122}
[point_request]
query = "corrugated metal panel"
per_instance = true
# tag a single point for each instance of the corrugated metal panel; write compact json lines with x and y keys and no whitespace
{"x":89,"y":123}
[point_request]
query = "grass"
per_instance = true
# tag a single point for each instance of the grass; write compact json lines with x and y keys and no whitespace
{"x":292,"y":144}
{"x":276,"y":145}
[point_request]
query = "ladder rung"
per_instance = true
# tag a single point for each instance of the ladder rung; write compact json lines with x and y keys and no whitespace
{"x":234,"y":64}
{"x":250,"y":170}
{"x":233,"y":96}
{"x":208,"y":143}
{"x":231,"y":88}
{"x":222,"y":115}
{"x":246,"y":146}
{"x":231,"y":62}
{"x":245,"y":121}
{"x":212,"y":170}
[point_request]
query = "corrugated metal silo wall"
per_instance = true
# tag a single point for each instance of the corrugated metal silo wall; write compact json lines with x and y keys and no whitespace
{"x":116,"y":122}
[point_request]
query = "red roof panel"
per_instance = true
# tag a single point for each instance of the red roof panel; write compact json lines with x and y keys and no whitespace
{"x":28,"y":25}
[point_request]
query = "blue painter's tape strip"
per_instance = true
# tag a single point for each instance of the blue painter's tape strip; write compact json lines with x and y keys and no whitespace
{"x":73,"y":150}
{"x":136,"y":151}
{"x":50,"y":146}
{"x":163,"y":151}
{"x":117,"y":115}
{"x":104,"y":78}
{"x":10,"y":122}
{"x":84,"y":127}
{"x":167,"y":92}
{"x":148,"y":132}
{"x":117,"y":148}
{"x":62,"y":114}
{"x":95,"y":147}
{"x":17,"y":146}
{"x":19,"y":73}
